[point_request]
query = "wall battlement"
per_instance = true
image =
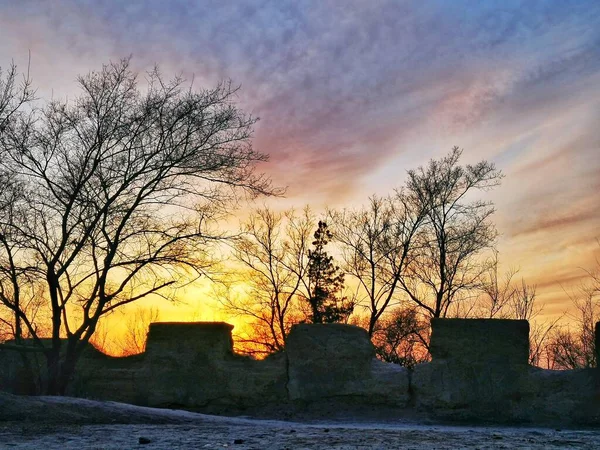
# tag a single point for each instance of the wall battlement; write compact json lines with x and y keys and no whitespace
{"x":481,"y":341}
{"x":478,"y":371}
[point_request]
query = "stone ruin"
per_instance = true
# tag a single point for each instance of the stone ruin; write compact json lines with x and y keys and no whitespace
{"x":477,"y":366}
{"x":479,"y":371}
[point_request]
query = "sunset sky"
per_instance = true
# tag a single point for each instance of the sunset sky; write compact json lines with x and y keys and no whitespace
{"x":351,"y":94}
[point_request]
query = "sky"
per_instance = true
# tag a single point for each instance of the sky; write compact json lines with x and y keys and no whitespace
{"x":352,"y":94}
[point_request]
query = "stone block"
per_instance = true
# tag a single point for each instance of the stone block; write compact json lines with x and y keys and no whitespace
{"x":389,"y":384}
{"x":467,"y":391}
{"x":478,"y":368}
{"x":337,"y":360}
{"x":190,"y":341}
{"x":326,"y":359}
{"x":561,"y":397}
{"x":193,"y":364}
{"x":483,"y":341}
{"x":251,"y":382}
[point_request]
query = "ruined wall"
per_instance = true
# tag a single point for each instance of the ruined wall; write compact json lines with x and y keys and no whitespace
{"x":23,"y":371}
{"x":335,"y":360}
{"x":19,"y":371}
{"x":110,"y":378}
{"x":480,"y":341}
{"x":559,"y":395}
{"x":193,"y":364}
{"x":477,"y":367}
{"x":478,"y":371}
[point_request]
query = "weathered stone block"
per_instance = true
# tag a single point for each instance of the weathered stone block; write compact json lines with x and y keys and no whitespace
{"x":193,"y":364}
{"x":478,"y":367}
{"x":485,"y":341}
{"x":251,"y":382}
{"x":562,"y":397}
{"x":337,"y":360}
{"x":205,"y":340}
{"x":469,"y":391}
{"x":389,"y":384}
{"x":326,"y":359}
{"x":104,"y":377}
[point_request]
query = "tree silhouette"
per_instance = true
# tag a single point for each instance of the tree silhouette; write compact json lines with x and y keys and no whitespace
{"x":113,"y":196}
{"x":326,"y":282}
{"x":377,"y":246}
{"x":454,"y":233}
{"x":273,"y":254}
{"x":13,"y":95}
{"x":398,"y":337}
{"x":575,"y":347}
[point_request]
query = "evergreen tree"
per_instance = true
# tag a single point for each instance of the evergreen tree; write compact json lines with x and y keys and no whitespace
{"x":326,"y":282}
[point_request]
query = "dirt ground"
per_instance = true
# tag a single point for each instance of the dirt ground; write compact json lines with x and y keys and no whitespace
{"x":257,"y":434}
{"x":63,"y":423}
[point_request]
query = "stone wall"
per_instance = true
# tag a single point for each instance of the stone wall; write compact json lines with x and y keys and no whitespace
{"x":23,"y":371}
{"x":478,"y":371}
{"x":335,"y":360}
{"x":481,"y":341}
{"x":110,"y":378}
{"x":193,"y":364}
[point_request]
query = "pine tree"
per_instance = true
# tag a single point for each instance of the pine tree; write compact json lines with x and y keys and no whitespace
{"x":326,"y":282}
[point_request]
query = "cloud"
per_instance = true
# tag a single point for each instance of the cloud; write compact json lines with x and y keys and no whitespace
{"x":326,"y":74}
{"x":560,"y":221}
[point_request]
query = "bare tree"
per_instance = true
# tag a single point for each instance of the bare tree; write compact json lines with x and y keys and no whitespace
{"x":128,"y":339}
{"x":576,"y":348}
{"x":273,"y":252}
{"x":119,"y":189}
{"x":565,"y":351}
{"x":398,"y":337}
{"x":13,"y":96}
{"x":137,"y":326}
{"x":377,"y":246}
{"x":506,"y":299}
{"x":101,"y":339}
{"x":456,"y":231}
{"x":31,"y":303}
{"x":497,"y":292}
{"x":523,"y":304}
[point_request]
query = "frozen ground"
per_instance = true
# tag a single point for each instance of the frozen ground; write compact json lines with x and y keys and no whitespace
{"x":169,"y":429}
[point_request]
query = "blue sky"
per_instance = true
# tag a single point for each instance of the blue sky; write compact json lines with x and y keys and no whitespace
{"x":351,"y":94}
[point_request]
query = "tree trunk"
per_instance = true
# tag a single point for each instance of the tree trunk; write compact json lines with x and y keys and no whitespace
{"x":18,"y":326}
{"x":372,"y":323}
{"x":61,"y":367}
{"x":53,"y":369}
{"x":67,"y":369}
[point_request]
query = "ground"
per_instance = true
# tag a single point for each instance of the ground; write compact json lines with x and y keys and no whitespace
{"x":65,"y":423}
